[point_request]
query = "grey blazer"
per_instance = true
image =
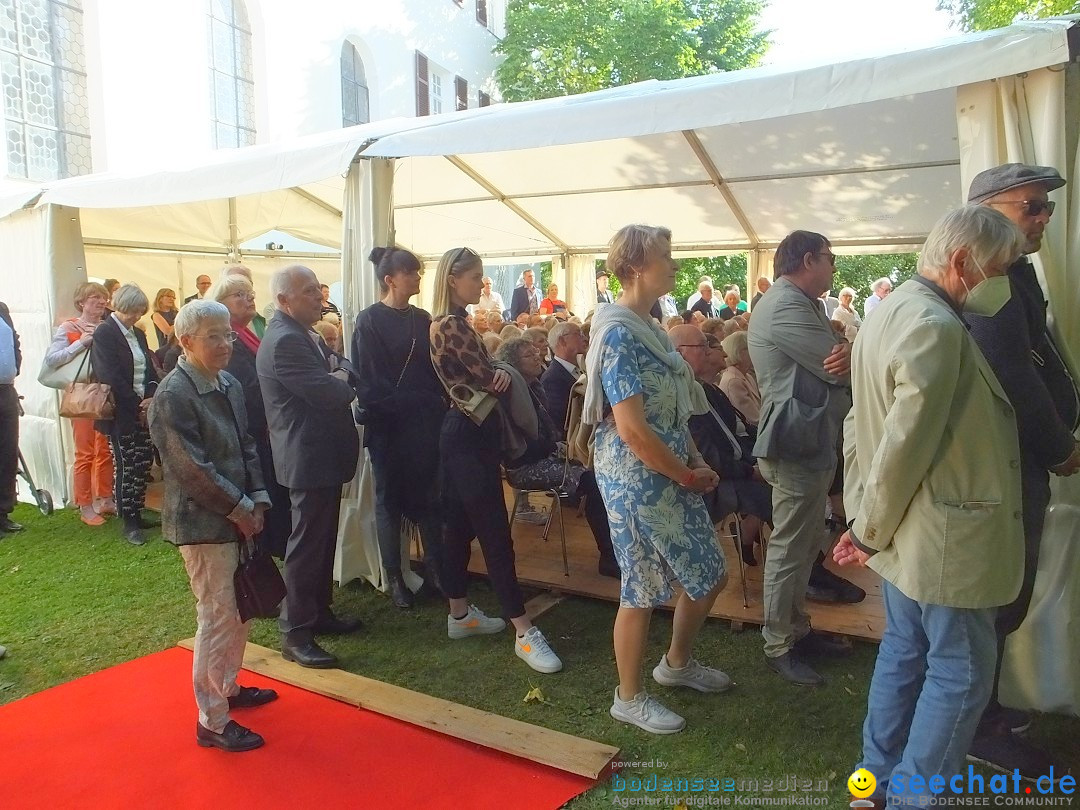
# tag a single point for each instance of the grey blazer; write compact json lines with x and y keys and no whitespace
{"x":802,"y":407}
{"x":209,"y":461}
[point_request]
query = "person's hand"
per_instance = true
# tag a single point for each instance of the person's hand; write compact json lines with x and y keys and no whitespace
{"x":87,"y":339}
{"x":757,"y":476}
{"x":1070,"y":465}
{"x":500,"y":381}
{"x":259,"y":517}
{"x":340,"y":374}
{"x":838,"y":363}
{"x":704,"y":479}
{"x":144,"y":406}
{"x":248,"y":524}
{"x":847,"y":553}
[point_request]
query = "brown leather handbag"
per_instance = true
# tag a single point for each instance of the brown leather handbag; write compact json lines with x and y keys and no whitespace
{"x":87,"y":400}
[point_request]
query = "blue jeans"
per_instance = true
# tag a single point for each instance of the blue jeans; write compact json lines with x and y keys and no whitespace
{"x":933,"y":677}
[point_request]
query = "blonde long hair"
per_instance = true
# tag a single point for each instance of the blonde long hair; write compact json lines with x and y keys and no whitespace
{"x":454,"y":262}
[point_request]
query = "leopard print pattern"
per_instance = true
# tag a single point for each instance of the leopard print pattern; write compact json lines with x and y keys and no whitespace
{"x":458,"y":354}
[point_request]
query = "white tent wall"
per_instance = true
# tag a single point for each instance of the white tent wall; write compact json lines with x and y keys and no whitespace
{"x":43,"y":263}
{"x":1023,"y":119}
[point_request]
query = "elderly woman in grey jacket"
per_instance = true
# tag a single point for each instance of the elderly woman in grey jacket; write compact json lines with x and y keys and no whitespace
{"x":214,"y":496}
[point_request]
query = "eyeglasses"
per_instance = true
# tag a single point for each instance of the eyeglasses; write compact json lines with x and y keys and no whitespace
{"x":692,"y":346}
{"x":1032,"y":208}
{"x":228,"y":337}
{"x":245,"y":296}
{"x":830,"y":256}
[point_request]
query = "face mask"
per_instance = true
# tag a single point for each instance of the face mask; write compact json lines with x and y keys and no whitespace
{"x":988,"y":296}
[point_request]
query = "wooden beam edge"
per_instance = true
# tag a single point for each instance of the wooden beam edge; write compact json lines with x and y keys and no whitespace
{"x":591,"y":759}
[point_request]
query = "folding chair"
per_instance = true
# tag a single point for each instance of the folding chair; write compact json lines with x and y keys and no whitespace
{"x":734,"y":532}
{"x":557,"y":495}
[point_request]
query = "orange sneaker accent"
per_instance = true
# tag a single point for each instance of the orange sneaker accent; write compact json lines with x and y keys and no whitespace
{"x":526,"y":648}
{"x":472,"y":623}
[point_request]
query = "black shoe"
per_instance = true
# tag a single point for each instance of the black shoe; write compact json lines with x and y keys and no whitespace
{"x":133,"y":532}
{"x":1007,"y":753}
{"x":335,"y":626}
{"x":9,"y":526}
{"x":847,"y":593}
{"x":824,"y":596}
{"x":233,"y":738}
{"x":400,"y":594}
{"x":251,"y":696}
{"x":608,"y":567}
{"x":1015,"y":720}
{"x":792,"y":670}
{"x":309,"y":655}
{"x":748,"y":557}
{"x":821,"y":644}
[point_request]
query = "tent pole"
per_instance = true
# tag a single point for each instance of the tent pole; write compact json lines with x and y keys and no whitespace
{"x":234,"y":246}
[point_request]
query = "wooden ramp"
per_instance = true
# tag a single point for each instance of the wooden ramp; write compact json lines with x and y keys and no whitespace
{"x":540,"y":564}
{"x":554,"y":748}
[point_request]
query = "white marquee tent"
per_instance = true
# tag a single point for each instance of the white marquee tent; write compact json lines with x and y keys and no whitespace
{"x":869,"y":152}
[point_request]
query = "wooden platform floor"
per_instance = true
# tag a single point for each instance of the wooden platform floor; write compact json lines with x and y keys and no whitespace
{"x":540,"y":564}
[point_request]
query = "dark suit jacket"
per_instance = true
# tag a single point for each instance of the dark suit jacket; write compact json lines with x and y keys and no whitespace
{"x":604,"y":297}
{"x":726,"y":313}
{"x":191,"y":298}
{"x":113,"y":363}
{"x":519,"y":301}
{"x":556,"y":383}
{"x":6,"y":315}
{"x":312,"y":432}
{"x":704,"y":307}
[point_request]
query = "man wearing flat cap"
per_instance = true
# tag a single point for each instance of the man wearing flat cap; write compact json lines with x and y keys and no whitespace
{"x":1008,"y":322}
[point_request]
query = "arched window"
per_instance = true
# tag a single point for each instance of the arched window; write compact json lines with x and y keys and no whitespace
{"x":43,"y":66}
{"x":232,"y":83}
{"x":355,"y":108}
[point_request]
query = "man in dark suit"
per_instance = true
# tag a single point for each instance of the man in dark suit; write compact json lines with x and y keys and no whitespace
{"x":315,"y":447}
{"x":566,"y":343}
{"x":10,"y":364}
{"x":603,"y":294}
{"x":202,"y":284}
{"x":704,"y":304}
{"x":526,"y":298}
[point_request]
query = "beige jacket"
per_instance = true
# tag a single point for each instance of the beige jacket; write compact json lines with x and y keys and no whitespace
{"x":932,"y":463}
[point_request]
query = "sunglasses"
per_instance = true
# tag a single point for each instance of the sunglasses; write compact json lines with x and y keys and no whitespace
{"x":462,"y":253}
{"x":1032,"y":208}
{"x":830,"y":256}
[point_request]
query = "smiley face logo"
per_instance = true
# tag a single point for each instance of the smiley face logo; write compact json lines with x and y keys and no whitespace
{"x":861,"y":784}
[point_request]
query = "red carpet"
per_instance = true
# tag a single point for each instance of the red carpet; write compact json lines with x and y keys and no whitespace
{"x":125,"y":737}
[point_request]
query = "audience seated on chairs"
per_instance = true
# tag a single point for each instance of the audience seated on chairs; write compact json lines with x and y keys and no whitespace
{"x":542,"y":467}
{"x":713,"y":326}
{"x":731,"y":306}
{"x":538,"y":337}
{"x":738,"y":380}
{"x":673,"y":321}
{"x":567,"y":345}
{"x":491,"y":341}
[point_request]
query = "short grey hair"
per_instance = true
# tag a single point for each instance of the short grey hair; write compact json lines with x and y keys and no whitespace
{"x":195,"y":313}
{"x":534,"y":332}
{"x":734,"y":346}
{"x":989,"y":235}
{"x":510,"y":331}
{"x":228,"y":284}
{"x":282,"y":280}
{"x":881,"y":282}
{"x":847,"y":291}
{"x":561,"y":330}
{"x":510,"y":350}
{"x":130,"y":299}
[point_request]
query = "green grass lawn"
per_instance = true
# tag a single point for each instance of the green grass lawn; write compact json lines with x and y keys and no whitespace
{"x":75,"y":599}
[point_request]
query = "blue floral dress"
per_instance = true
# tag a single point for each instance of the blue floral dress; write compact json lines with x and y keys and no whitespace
{"x":661,"y":532}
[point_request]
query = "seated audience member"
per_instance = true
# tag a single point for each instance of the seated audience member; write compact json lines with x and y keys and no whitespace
{"x":731,"y":306}
{"x":536,"y":319}
{"x":494,"y":321}
{"x":741,"y":306}
{"x":552,"y":303}
{"x":567,"y":345}
{"x":538,"y":337}
{"x":510,"y":331}
{"x":522,"y":320}
{"x":717,"y":437}
{"x":738,"y":381}
{"x":672,"y":322}
{"x":714,"y":326}
{"x":704,"y":304}
{"x":491,"y":341}
{"x":845,"y":313}
{"x":214,"y":494}
{"x":330,"y":334}
{"x":480,"y":321}
{"x":542,"y":467}
{"x":697,"y":318}
{"x":687,"y":316}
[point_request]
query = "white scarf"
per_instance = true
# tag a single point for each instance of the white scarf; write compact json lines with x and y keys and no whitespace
{"x":689,"y":395}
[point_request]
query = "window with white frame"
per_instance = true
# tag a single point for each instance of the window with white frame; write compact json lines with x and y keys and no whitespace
{"x":355,"y":107}
{"x":435,"y":93}
{"x":232,"y":81}
{"x":43,"y":70}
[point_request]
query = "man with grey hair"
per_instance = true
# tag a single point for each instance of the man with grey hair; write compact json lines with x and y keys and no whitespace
{"x":306,"y":390}
{"x":878,"y":291}
{"x":567,"y":344}
{"x":1010,"y":329}
{"x":933,"y":489}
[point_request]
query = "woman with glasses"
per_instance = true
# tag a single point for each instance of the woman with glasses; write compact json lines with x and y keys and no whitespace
{"x":402,"y":406}
{"x":471,"y":451}
{"x":214,"y":496}
{"x":122,"y":360}
{"x":234,"y":290}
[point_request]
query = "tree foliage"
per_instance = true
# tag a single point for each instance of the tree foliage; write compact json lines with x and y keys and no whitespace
{"x":983,"y":15}
{"x":563,"y":47}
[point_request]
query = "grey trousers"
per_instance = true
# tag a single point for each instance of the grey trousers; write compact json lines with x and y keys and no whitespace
{"x":309,"y":562}
{"x":221,"y":637}
{"x":798,"y":496}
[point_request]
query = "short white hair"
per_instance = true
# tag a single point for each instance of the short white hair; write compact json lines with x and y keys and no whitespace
{"x":130,"y":299}
{"x":227,"y":285}
{"x":989,"y":236}
{"x":880,"y":283}
{"x":561,"y":330}
{"x":704,"y":284}
{"x":734,"y":345}
{"x":847,"y":291}
{"x":281,"y":282}
{"x":195,"y":313}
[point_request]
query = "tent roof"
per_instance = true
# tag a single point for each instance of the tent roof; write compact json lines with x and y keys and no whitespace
{"x":865,"y":151}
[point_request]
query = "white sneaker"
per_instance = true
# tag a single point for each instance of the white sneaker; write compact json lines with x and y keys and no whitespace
{"x":473,"y":623}
{"x":534,"y":650}
{"x":646,"y":713}
{"x":695,"y":675}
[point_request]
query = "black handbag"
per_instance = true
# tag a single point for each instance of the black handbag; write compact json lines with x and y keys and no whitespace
{"x":257,"y":582}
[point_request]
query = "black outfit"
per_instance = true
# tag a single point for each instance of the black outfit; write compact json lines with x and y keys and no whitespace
{"x":1020,"y":349}
{"x":315,"y":448}
{"x":277,"y":520}
{"x":128,"y":434}
{"x":726,"y":313}
{"x":170,"y":319}
{"x":519,"y":302}
{"x":402,"y":407}
{"x":9,"y":428}
{"x":604,"y":297}
{"x":754,"y":300}
{"x":704,"y":307}
{"x":557,"y":382}
{"x":190,"y":298}
{"x":737,"y":490}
